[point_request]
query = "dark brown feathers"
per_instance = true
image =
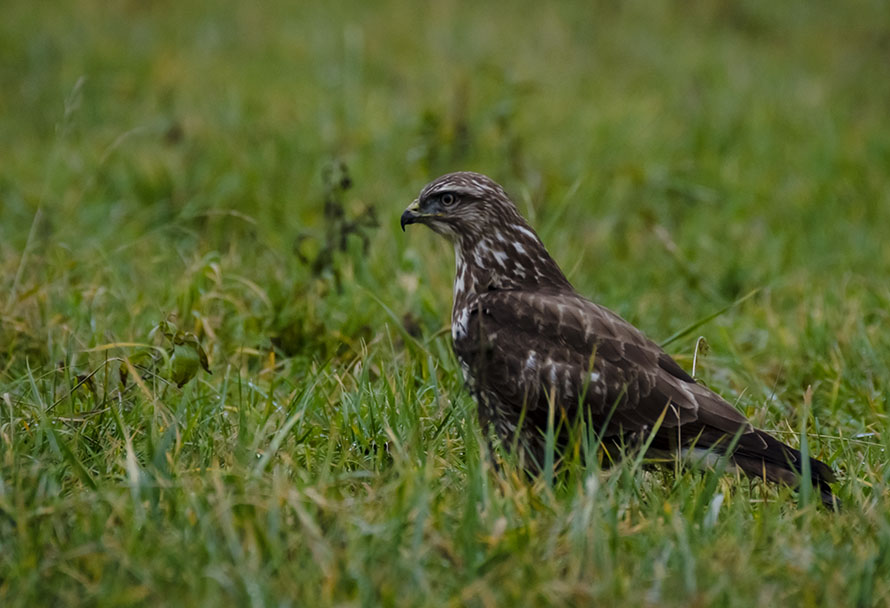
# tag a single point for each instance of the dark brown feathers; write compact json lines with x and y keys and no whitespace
{"x":525,"y":337}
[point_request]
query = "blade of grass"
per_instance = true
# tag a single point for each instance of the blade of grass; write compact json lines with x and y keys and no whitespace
{"x":692,"y":327}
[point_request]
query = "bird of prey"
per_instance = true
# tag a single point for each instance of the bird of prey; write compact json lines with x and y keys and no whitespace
{"x":529,"y":345}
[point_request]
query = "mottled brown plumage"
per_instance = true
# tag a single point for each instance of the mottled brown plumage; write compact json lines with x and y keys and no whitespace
{"x":525,"y":339}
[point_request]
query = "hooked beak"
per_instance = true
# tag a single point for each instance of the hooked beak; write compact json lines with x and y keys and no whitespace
{"x":411,"y":215}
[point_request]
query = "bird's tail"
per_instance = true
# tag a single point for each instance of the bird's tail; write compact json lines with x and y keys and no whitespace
{"x":781,"y":463}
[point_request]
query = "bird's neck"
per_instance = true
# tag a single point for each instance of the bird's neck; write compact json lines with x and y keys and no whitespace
{"x":512,"y":258}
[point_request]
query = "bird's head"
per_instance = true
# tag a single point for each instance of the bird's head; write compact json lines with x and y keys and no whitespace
{"x":493,"y":244}
{"x":462,"y":205}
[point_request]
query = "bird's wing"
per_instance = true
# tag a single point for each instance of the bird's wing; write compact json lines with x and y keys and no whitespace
{"x":525,"y":347}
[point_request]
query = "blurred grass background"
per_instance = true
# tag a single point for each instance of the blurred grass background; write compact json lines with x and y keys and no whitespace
{"x":241,"y":168}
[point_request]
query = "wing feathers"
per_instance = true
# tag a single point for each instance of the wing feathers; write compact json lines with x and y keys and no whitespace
{"x":526,"y":347}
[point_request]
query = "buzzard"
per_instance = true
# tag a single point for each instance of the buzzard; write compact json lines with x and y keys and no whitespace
{"x":530,"y":345}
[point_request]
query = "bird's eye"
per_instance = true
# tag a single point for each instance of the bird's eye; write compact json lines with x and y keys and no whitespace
{"x":448,"y":199}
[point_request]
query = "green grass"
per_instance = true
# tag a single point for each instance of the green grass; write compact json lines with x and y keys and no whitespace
{"x":183,"y":160}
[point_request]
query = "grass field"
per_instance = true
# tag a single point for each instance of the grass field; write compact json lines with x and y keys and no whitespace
{"x":235,"y":172}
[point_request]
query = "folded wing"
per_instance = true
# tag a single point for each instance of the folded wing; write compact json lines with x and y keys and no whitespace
{"x":522,"y":349}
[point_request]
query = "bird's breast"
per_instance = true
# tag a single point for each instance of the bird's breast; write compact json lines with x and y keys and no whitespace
{"x":460,"y":320}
